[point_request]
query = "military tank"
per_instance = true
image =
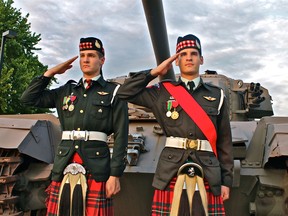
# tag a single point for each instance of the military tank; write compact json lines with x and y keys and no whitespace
{"x":27,"y":149}
{"x":260,"y":148}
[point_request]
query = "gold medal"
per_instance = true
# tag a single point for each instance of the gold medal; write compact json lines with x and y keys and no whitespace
{"x":168,"y":114}
{"x":174,"y":115}
{"x":71,"y":107}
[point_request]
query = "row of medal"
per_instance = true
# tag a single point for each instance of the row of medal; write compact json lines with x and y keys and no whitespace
{"x":68,"y":102}
{"x":172,"y":114}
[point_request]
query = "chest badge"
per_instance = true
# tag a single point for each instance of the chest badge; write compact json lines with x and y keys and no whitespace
{"x":209,"y":98}
{"x":68,"y":102}
{"x":103,"y":93}
{"x":172,"y":113}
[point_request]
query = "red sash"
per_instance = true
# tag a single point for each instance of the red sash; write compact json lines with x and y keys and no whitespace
{"x":195,"y":111}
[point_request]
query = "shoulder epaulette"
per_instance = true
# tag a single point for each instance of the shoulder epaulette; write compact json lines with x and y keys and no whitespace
{"x":71,"y":81}
{"x":212,"y":85}
{"x":113,"y":82}
{"x":167,"y":80}
{"x":156,"y":85}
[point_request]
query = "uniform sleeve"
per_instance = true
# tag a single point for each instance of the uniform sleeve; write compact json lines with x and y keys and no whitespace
{"x":134,"y":90}
{"x":37,"y":95}
{"x":120,"y":127}
{"x":224,"y":146}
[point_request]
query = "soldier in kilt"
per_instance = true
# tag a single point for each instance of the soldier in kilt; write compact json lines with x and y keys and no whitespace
{"x":85,"y":175}
{"x":195,"y":120}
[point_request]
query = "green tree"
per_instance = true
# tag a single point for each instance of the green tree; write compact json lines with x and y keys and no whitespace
{"x":20,"y":63}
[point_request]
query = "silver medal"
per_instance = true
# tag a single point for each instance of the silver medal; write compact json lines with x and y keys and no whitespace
{"x":168,"y":114}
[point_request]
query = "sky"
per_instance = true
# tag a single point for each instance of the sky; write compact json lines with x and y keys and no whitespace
{"x":241,"y":39}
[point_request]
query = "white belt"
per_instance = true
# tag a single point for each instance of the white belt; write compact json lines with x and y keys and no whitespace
{"x":184,"y":143}
{"x":84,"y":135}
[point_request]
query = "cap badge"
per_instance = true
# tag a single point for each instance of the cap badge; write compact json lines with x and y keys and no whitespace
{"x":97,"y":44}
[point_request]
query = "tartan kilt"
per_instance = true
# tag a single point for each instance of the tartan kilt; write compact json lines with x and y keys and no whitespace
{"x":162,"y":201}
{"x":96,"y":202}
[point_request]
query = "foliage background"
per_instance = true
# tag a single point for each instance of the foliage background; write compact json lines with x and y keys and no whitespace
{"x":20,"y":63}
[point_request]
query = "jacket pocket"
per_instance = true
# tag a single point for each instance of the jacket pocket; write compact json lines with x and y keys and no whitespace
{"x":169,"y":162}
{"x":101,"y":109}
{"x":96,"y":153}
{"x":212,"y":112}
{"x":211,"y":167}
{"x":98,"y":160}
{"x":61,"y":158}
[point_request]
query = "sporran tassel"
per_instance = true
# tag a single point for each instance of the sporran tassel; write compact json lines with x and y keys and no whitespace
{"x":77,"y":200}
{"x":64,"y":201}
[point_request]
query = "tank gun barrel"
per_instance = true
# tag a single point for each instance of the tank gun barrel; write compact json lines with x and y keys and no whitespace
{"x":255,"y":89}
{"x":254,"y":86}
{"x":258,"y":100}
{"x":256,"y":93}
{"x":157,"y":27}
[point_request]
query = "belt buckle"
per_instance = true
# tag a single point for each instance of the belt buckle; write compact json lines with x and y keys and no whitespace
{"x":191,"y":144}
{"x":79,"y":135}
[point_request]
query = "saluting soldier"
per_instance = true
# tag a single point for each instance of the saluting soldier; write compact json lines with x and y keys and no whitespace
{"x":194,"y":118}
{"x":84,"y":176}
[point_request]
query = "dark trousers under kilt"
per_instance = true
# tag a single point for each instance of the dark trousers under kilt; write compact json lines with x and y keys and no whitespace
{"x":162,"y":201}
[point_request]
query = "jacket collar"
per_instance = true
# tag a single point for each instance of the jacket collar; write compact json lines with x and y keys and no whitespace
{"x":100,"y":81}
{"x":180,"y":82}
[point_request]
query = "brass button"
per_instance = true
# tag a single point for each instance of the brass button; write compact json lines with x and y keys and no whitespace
{"x":78,"y":129}
{"x":100,"y":110}
{"x":102,"y":102}
{"x":76,"y":146}
{"x":60,"y":152}
{"x":85,"y":95}
{"x":81,"y":111}
{"x":97,"y":153}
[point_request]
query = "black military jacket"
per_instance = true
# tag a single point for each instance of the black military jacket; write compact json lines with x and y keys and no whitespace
{"x":217,"y":171}
{"x":92,"y":111}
